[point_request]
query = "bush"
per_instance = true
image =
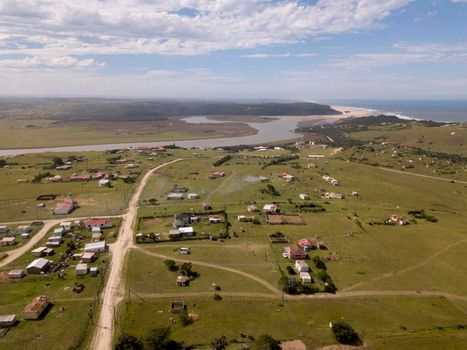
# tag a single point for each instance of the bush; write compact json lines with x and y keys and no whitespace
{"x":217,"y":297}
{"x":344,"y":333}
{"x":128,"y":342}
{"x":266,"y":342}
{"x":171,"y":265}
{"x":290,"y":270}
{"x":319,"y":263}
{"x":220,"y":342}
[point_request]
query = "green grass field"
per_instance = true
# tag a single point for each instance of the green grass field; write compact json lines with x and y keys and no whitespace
{"x":30,"y":133}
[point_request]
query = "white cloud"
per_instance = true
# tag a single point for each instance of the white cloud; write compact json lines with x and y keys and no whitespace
{"x":267,"y":55}
{"x":64,"y":28}
{"x":44,"y":62}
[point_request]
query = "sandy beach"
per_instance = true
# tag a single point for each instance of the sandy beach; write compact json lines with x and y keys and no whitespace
{"x":346,"y":113}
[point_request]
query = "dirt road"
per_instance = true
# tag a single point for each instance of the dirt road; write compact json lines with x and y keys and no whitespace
{"x":113,"y":291}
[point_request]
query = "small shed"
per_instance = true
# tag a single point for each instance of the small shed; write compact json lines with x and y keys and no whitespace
{"x":7,"y":320}
{"x":17,"y":273}
{"x":305,"y":277}
{"x":8,"y":241}
{"x":59,"y":232}
{"x":4,"y":229}
{"x":304,"y":196}
{"x":81,"y":269}
{"x":93,"y":271}
{"x":96,"y":236}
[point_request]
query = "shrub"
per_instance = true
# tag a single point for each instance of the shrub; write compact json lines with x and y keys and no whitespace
{"x":344,"y":333}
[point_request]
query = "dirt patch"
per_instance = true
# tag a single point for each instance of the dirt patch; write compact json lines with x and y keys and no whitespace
{"x":153,"y":222}
{"x":4,"y":277}
{"x":284,"y":219}
{"x":85,"y":201}
{"x":296,"y":344}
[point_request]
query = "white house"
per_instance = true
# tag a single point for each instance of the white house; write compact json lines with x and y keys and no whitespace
{"x":303,"y":196}
{"x":186,"y":231}
{"x":193,"y":196}
{"x":96,"y":247}
{"x":270,"y":208}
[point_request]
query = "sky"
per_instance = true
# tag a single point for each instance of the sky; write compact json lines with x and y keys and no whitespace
{"x":235,"y":49}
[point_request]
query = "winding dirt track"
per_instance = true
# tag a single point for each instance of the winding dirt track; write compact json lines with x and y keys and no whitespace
{"x":215,"y":266}
{"x":113,"y":291}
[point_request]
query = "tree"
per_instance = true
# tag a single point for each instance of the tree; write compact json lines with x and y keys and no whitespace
{"x":220,"y":343}
{"x":159,"y":339}
{"x":128,"y":342}
{"x":344,"y":333}
{"x":2,"y":163}
{"x":266,"y":342}
{"x":171,"y":265}
{"x":319,"y":263}
{"x":57,"y":161}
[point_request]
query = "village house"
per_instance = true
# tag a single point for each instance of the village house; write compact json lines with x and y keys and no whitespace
{"x":301,"y":266}
{"x":4,"y":229}
{"x":303,"y":196}
{"x":175,"y":234}
{"x":307,"y":244}
{"x":175,"y":196}
{"x":104,"y":183}
{"x":216,"y":175}
{"x":87,"y":257}
{"x":80,"y":178}
{"x":65,"y":207}
{"x":295,"y":253}
{"x":187,"y":231}
{"x":39,"y":251}
{"x":193,"y":196}
{"x":207,"y":206}
{"x":270,"y":208}
{"x":97,"y":222}
{"x":252,"y":208}
{"x":6,"y":241}
{"x":398,"y":220}
{"x":93,"y":271}
{"x":215,"y":219}
{"x":96,"y":236}
{"x":55,"y":178}
{"x":59,"y":232}
{"x":286,"y":176}
{"x":81,"y":269}
{"x":23,"y":229}
{"x":181,"y":220}
{"x":332,"y":195}
{"x":96,"y":247}
{"x":246,"y":218}
{"x":35,"y":308}
{"x":183,"y":281}
{"x":67,"y":225}
{"x":37,"y":266}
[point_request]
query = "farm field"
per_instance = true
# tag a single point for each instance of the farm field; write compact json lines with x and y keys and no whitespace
{"x":383,"y":323}
{"x":363,"y":256}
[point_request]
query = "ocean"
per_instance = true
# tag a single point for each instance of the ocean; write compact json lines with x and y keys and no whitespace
{"x":443,"y":111}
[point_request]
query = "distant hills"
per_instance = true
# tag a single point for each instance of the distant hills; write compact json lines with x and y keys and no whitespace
{"x":79,"y":109}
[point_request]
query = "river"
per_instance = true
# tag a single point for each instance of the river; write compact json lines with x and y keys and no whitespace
{"x":275,"y":130}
